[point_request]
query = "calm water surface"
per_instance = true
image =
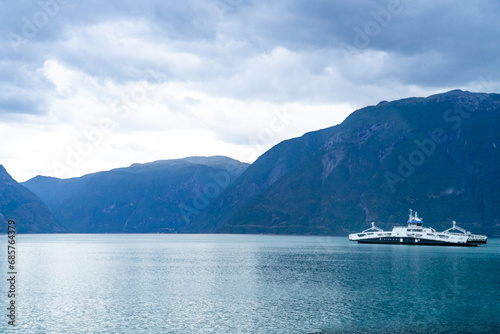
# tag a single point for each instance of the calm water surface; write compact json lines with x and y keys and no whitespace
{"x":249,"y":284}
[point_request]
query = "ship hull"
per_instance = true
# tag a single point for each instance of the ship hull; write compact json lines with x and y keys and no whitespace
{"x":482,"y":242}
{"x":413,"y":241}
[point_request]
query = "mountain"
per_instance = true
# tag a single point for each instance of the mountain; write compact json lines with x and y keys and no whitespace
{"x":439,"y":155}
{"x":24,"y":207}
{"x":162,"y":196}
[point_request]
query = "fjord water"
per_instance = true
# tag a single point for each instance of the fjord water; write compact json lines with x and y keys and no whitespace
{"x":151,"y":283}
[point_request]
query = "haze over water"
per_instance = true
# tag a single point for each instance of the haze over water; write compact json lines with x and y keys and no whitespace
{"x":250,"y":284}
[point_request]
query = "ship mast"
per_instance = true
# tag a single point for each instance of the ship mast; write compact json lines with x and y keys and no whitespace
{"x":414,"y":219}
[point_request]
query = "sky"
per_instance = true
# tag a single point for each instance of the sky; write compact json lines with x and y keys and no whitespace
{"x":87,"y":86}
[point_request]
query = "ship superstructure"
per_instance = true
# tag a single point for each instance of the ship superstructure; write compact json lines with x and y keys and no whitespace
{"x":416,"y":234}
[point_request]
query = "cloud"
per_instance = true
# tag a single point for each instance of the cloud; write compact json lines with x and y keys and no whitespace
{"x":222,"y":70}
{"x":198,"y":41}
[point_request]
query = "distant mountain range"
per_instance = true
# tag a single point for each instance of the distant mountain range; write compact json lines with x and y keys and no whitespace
{"x":162,"y":196}
{"x":439,"y":155}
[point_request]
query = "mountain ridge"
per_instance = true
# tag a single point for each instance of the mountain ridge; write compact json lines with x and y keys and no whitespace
{"x":319,"y":187}
{"x":153,"y":197}
{"x":436,"y":154}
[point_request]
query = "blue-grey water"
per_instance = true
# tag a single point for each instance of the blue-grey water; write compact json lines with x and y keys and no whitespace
{"x":132,"y":283}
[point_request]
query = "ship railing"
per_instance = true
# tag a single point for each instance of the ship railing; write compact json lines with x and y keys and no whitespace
{"x":477,"y":237}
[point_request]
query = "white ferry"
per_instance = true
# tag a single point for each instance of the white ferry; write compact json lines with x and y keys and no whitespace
{"x":415,"y":234}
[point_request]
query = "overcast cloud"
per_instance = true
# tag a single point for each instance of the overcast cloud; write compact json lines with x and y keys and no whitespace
{"x":93,"y":85}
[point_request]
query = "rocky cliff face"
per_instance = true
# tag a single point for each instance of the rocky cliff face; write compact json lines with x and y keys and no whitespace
{"x":439,"y":155}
